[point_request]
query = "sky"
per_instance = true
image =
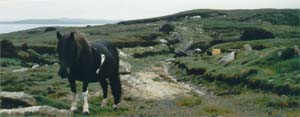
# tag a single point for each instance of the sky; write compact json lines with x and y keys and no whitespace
{"x":123,"y":9}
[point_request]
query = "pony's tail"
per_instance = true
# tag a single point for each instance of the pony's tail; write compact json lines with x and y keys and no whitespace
{"x":115,"y":82}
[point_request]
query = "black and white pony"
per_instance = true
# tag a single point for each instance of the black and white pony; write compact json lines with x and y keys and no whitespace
{"x":87,"y":62}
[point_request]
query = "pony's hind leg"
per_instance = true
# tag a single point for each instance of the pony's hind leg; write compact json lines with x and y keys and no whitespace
{"x":103,"y":83}
{"x":85,"y":98}
{"x":74,"y":95}
{"x":116,"y":89}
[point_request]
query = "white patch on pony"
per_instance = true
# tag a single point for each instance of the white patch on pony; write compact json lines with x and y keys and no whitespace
{"x":102,"y":61}
{"x":74,"y":102}
{"x":85,"y":102}
{"x":104,"y":102}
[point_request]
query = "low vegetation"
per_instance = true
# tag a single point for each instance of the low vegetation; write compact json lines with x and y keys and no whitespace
{"x":264,"y":80}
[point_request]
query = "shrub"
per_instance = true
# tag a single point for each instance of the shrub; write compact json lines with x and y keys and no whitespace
{"x":7,"y":49}
{"x":48,"y":29}
{"x":287,"y":53}
{"x":256,"y":33}
{"x":24,"y":46}
{"x":167,"y":28}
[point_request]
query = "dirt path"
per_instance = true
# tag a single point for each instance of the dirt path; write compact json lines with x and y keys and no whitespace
{"x":159,"y":93}
{"x":154,"y":84}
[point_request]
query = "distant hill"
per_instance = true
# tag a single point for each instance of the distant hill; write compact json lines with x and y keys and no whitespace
{"x":62,"y":21}
{"x":275,"y":16}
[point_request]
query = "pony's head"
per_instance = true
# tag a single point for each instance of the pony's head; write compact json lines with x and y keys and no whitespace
{"x":67,"y":52}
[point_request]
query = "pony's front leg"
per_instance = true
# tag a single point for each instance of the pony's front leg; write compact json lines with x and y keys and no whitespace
{"x":103,"y":83}
{"x":85,"y":98}
{"x":74,"y":95}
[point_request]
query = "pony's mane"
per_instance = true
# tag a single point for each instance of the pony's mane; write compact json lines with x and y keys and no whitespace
{"x":82,"y":44}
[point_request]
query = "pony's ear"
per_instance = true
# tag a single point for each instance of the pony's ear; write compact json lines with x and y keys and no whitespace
{"x":58,"y":35}
{"x":72,"y":36}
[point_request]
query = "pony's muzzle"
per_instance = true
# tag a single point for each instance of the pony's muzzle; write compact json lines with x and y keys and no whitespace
{"x":63,"y":73}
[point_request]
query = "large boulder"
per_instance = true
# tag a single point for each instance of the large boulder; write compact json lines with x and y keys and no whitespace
{"x":7,"y":49}
{"x":125,"y":67}
{"x":46,"y":111}
{"x":123,"y":54}
{"x":228,"y":58}
{"x":16,"y":99}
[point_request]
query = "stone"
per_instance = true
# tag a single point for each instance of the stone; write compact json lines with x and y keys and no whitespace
{"x":170,"y":60}
{"x":247,"y":47}
{"x":197,"y":50}
{"x":20,"y":70}
{"x":35,"y":66}
{"x":122,"y":54}
{"x":125,"y":67}
{"x":16,"y":99}
{"x":163,"y":41}
{"x":36,"y":111}
{"x":228,"y":58}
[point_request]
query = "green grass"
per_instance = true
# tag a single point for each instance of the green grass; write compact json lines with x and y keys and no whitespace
{"x":215,"y":110}
{"x":42,"y":100}
{"x":257,"y":44}
{"x":10,"y":61}
{"x":188,"y":101}
{"x":263,"y":69}
{"x":118,"y":34}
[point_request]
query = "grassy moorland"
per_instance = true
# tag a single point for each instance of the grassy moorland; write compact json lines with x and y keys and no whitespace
{"x":264,"y":81}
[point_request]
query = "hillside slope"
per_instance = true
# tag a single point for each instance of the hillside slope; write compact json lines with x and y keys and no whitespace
{"x":263,"y":78}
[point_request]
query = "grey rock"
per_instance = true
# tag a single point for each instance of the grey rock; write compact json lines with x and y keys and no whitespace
{"x":36,"y":111}
{"x":163,"y":41}
{"x":228,"y":58}
{"x":35,"y":66}
{"x":197,"y":50}
{"x":16,"y":99}
{"x":170,"y":60}
{"x":20,"y":70}
{"x":125,"y":67}
{"x":122,"y":54}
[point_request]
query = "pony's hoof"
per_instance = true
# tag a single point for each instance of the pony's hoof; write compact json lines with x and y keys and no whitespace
{"x":85,"y":112}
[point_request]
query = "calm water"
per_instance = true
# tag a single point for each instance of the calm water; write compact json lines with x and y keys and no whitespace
{"x":6,"y":28}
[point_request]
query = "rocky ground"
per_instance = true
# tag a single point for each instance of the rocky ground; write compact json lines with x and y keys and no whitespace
{"x":149,"y":91}
{"x":256,"y":72}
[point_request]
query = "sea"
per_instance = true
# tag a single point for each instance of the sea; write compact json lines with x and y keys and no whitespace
{"x":7,"y":28}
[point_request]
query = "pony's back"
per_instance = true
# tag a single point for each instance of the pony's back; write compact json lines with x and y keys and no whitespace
{"x":115,"y":81}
